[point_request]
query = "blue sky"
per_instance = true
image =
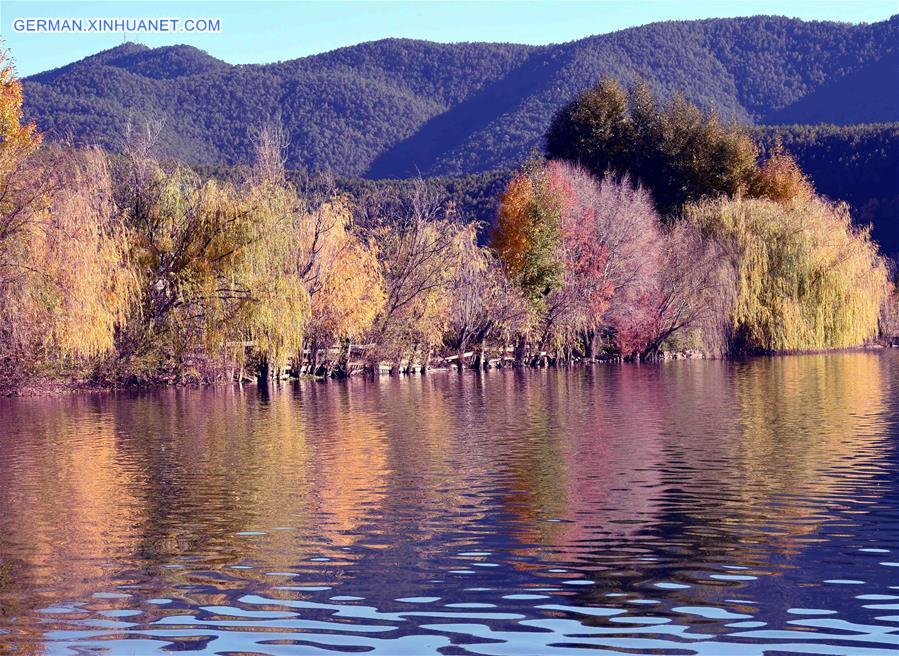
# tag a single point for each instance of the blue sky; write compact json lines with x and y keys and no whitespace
{"x":259,"y":32}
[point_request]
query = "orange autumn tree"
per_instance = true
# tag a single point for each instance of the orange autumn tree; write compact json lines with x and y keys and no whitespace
{"x":780,"y":179}
{"x":526,"y":237}
{"x":18,"y":141}
{"x":510,"y":239}
{"x":65,"y":283}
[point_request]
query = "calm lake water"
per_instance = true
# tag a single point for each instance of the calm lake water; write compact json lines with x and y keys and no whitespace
{"x":714,"y":508}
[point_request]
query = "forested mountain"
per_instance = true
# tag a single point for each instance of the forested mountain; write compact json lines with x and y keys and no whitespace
{"x":395,"y":108}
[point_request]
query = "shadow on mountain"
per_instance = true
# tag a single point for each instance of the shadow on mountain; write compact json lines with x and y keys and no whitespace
{"x":419,"y":152}
{"x":868,"y":95}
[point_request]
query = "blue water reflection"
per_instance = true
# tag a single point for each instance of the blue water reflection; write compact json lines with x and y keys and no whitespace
{"x":709,"y":508}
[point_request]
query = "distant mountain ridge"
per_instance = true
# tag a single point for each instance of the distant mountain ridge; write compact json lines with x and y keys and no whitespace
{"x":399,"y":107}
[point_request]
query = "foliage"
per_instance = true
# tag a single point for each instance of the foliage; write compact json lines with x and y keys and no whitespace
{"x":858,"y":164}
{"x":136,"y":268}
{"x":20,"y":178}
{"x":18,"y":140}
{"x":889,"y":317}
{"x":216,"y":264}
{"x":65,"y":282}
{"x":780,"y":179}
{"x":622,"y":279}
{"x":526,"y":236}
{"x":806,"y":278}
{"x":344,"y":280}
{"x":422,"y":244}
{"x":678,"y":152}
{"x":610,"y":250}
{"x":67,"y":285}
{"x":484,"y":304}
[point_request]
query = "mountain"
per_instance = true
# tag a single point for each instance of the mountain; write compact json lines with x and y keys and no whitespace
{"x":397,"y":107}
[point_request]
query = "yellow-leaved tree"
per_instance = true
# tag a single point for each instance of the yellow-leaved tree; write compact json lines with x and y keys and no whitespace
{"x":341,"y":274}
{"x":806,"y":277}
{"x":66,"y":284}
{"x":217,"y":269}
{"x":276,"y":306}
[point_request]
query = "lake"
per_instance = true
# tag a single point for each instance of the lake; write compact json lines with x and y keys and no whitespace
{"x":692,"y":507}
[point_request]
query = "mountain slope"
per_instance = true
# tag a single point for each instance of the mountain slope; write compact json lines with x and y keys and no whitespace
{"x":398,"y":107}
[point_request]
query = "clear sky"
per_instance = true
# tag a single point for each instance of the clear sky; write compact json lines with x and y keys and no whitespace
{"x":260,"y":32}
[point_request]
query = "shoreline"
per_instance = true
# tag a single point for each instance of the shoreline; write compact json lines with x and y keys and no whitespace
{"x":57,"y":389}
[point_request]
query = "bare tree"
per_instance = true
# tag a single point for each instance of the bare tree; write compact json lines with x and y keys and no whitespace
{"x":419,"y":241}
{"x":484,"y":305}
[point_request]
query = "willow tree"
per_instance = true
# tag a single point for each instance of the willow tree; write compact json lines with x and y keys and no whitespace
{"x":217,"y":270}
{"x":272,"y":307}
{"x":806,"y":278}
{"x":65,"y":280}
{"x":342,"y":276}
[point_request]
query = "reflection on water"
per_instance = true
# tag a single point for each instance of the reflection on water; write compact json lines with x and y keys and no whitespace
{"x":709,"y":508}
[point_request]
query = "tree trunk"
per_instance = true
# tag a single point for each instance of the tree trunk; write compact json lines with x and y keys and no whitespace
{"x":313,"y":358}
{"x":264,"y":372}
{"x":341,"y":368}
{"x":426,"y":362}
{"x":589,"y":344}
{"x":520,"y":350}
{"x":478,"y":364}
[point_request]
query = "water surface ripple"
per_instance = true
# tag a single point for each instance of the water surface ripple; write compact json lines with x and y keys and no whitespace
{"x":711,"y":508}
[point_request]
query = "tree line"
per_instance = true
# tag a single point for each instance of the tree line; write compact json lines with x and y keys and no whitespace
{"x":649,"y":228}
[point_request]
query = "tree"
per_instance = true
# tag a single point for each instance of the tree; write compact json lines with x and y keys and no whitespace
{"x":889,"y":316}
{"x":693,"y":297}
{"x":608,"y":255}
{"x":526,"y":240}
{"x":678,"y":152}
{"x":342,"y":276}
{"x":21,"y":185}
{"x":595,"y":130}
{"x":18,"y":140}
{"x":484,"y":303}
{"x":575,"y":309}
{"x":69,"y":285}
{"x":780,"y":179}
{"x":65,"y":280}
{"x":217,"y":269}
{"x":420,"y":242}
{"x":526,"y":235}
{"x":806,"y":278}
